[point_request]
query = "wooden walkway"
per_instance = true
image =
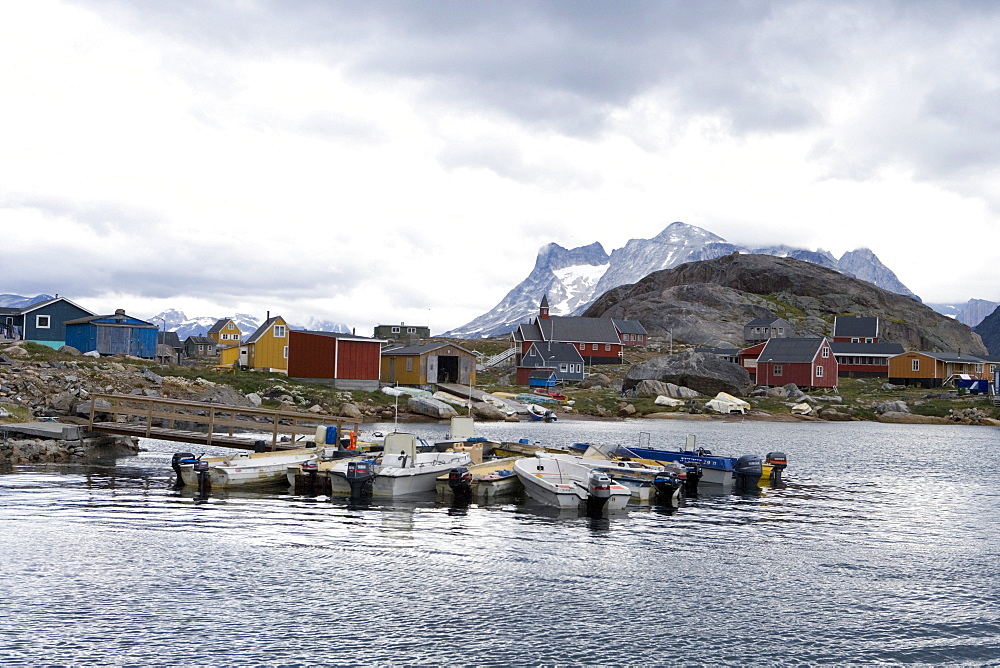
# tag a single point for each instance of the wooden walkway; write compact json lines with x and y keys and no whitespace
{"x":214,"y":424}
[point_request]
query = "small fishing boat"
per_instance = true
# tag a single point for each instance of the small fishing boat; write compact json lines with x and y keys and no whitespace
{"x":550,"y":394}
{"x":569,"y":485}
{"x":540,"y":414}
{"x":245,"y":468}
{"x":482,"y":482}
{"x":402,"y":469}
{"x":638,"y":477}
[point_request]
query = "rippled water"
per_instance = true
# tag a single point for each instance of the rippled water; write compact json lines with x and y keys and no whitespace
{"x":883,"y":547}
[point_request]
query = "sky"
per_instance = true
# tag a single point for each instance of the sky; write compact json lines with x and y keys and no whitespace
{"x":379,"y":162}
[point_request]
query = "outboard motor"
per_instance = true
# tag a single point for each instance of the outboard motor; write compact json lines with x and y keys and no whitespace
{"x":308,"y":481}
{"x":669,"y":485}
{"x":175,"y":463}
{"x":694,"y":474}
{"x":778,"y":463}
{"x":598,"y":492}
{"x":204,"y":480}
{"x":360,"y":475}
{"x":748,"y":470}
{"x":460,"y":482}
{"x":260,"y":446}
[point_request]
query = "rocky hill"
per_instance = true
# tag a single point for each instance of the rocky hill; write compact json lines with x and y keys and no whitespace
{"x":707,"y":303}
{"x":989,"y":330}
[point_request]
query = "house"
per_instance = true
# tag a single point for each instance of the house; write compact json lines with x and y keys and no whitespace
{"x":807,"y":362}
{"x":864,"y":360}
{"x":598,"y":340}
{"x":225,"y":332}
{"x":931,"y":369}
{"x":345,"y":361}
{"x":542,"y":378}
{"x":43,"y":322}
{"x":199,"y":346}
{"x":267,"y":348}
{"x":563,"y":360}
{"x":724,"y":354}
{"x":855,"y":329}
{"x":747,"y":357}
{"x":426,"y":363}
{"x":174,"y":349}
{"x":762,"y":329}
{"x":116,"y":334}
{"x":402,"y":332}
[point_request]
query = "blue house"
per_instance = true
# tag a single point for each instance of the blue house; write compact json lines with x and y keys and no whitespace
{"x":43,"y":322}
{"x":562,"y":359}
{"x":117,"y":334}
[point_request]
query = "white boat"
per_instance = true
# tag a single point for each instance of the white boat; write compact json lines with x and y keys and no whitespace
{"x":248,"y":468}
{"x":637,"y":476}
{"x":565,"y":484}
{"x":401,"y":470}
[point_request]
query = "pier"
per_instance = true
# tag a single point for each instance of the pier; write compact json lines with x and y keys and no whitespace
{"x":214,"y":424}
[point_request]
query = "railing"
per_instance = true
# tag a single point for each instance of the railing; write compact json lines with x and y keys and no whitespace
{"x":152,"y":416}
{"x":499,"y":358}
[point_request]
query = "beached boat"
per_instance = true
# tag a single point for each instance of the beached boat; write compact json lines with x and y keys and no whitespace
{"x":569,"y":485}
{"x":549,"y":394}
{"x":540,"y":414}
{"x":481,"y":482}
{"x":402,"y":469}
{"x":246,"y":468}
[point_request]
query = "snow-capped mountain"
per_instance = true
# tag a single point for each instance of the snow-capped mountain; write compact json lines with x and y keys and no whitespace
{"x":971,"y":313}
{"x":174,"y":320}
{"x":17,"y":301}
{"x":564,"y":275}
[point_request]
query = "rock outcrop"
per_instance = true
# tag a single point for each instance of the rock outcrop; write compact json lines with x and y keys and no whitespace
{"x":702,"y":372}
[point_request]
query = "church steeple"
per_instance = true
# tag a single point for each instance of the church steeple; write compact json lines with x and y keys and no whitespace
{"x":543,"y":307}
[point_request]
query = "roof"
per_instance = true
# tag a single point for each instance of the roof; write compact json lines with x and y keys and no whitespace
{"x":628,"y":326}
{"x":422,"y":348}
{"x":200,"y":340}
{"x":219,"y":324}
{"x":170,"y":339}
{"x":555,"y":352}
{"x":719,"y":351}
{"x":866,"y":348}
{"x":959,"y":358}
{"x":581,"y":330}
{"x":790,"y":350}
{"x":38,"y":305}
{"x":338,"y":335}
{"x":855,"y":326}
{"x":542,"y":373}
{"x":763,"y":322}
{"x":270,"y":322}
{"x":117,"y":318}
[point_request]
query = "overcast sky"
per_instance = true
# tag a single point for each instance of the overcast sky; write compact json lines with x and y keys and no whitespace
{"x":379,"y":162}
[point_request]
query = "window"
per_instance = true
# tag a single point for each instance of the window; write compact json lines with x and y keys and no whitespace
{"x":583,"y":346}
{"x":279,"y":331}
{"x":855,"y":339}
{"x":43,"y":321}
{"x":781,"y":331}
{"x":593,"y":346}
{"x":562,"y":367}
{"x":409,"y":364}
{"x":915,"y":365}
{"x":978,"y":368}
{"x":826,"y":351}
{"x":777,"y":370}
{"x":819,"y":371}
{"x":395,"y":330}
{"x":607,"y":347}
{"x":285,"y":353}
{"x":411,"y":330}
{"x":868,"y":340}
{"x":230,"y":326}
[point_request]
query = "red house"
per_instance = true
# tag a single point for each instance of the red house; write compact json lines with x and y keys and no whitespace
{"x":805,"y":362}
{"x":855,"y":329}
{"x":345,"y":361}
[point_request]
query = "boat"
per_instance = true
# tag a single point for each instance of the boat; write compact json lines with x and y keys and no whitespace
{"x":483,"y":481}
{"x":550,"y":394}
{"x":541,"y":414}
{"x":568,"y":485}
{"x":637,"y":476}
{"x":531,"y":397}
{"x":247,"y":468}
{"x":462,"y":434}
{"x":743,"y":472}
{"x":402,"y":469}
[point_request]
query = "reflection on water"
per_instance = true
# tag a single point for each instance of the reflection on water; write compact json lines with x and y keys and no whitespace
{"x":881,"y":548}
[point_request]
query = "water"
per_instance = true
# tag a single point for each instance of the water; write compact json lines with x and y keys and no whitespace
{"x":883,"y":548}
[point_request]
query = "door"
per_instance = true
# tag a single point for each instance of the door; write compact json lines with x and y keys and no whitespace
{"x":432,"y":369}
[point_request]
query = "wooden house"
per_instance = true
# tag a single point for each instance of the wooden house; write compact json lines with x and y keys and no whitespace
{"x":562,"y":359}
{"x":200,"y":346}
{"x":931,"y":369}
{"x":747,"y":357}
{"x":855,"y":329}
{"x":807,"y":362}
{"x":724,"y":354}
{"x":170,"y":350}
{"x":116,"y":334}
{"x":762,"y":329}
{"x":267,"y":348}
{"x":43,"y":322}
{"x":344,"y":361}
{"x":542,"y":378}
{"x":598,"y":340}
{"x":402,"y":332}
{"x":225,"y":332}
{"x":864,"y":360}
{"x":426,"y":363}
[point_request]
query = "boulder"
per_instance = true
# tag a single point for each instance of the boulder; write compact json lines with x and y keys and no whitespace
{"x":702,"y":372}
{"x":255,"y":399}
{"x":69,"y":350}
{"x":792,"y":391}
{"x":891,"y":407}
{"x":595,"y":380}
{"x":350,"y":410}
{"x":91,"y":353}
{"x":484,"y":411}
{"x":152,"y":377}
{"x":430,"y":407}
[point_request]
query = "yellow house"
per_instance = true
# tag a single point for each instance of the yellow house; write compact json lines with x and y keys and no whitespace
{"x":225,"y":332}
{"x":427,"y":363}
{"x":267,"y":348}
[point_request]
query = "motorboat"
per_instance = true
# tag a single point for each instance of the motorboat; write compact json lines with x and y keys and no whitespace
{"x":541,"y":414}
{"x":743,"y":472}
{"x":550,"y":394}
{"x":566,"y":484}
{"x":246,"y":468}
{"x":402,"y":469}
{"x":638,"y":477}
{"x":482,"y":482}
{"x":462,"y":434}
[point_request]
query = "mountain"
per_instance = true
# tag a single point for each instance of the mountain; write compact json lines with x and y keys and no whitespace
{"x":17,"y":301}
{"x":707,"y":303}
{"x":970,"y":313}
{"x":560,"y":273}
{"x":174,"y":320}
{"x":989,"y":330}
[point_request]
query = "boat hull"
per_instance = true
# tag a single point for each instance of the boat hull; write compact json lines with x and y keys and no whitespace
{"x":563,"y":485}
{"x":249,"y":469}
{"x":396,"y":481}
{"x":490,"y":479}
